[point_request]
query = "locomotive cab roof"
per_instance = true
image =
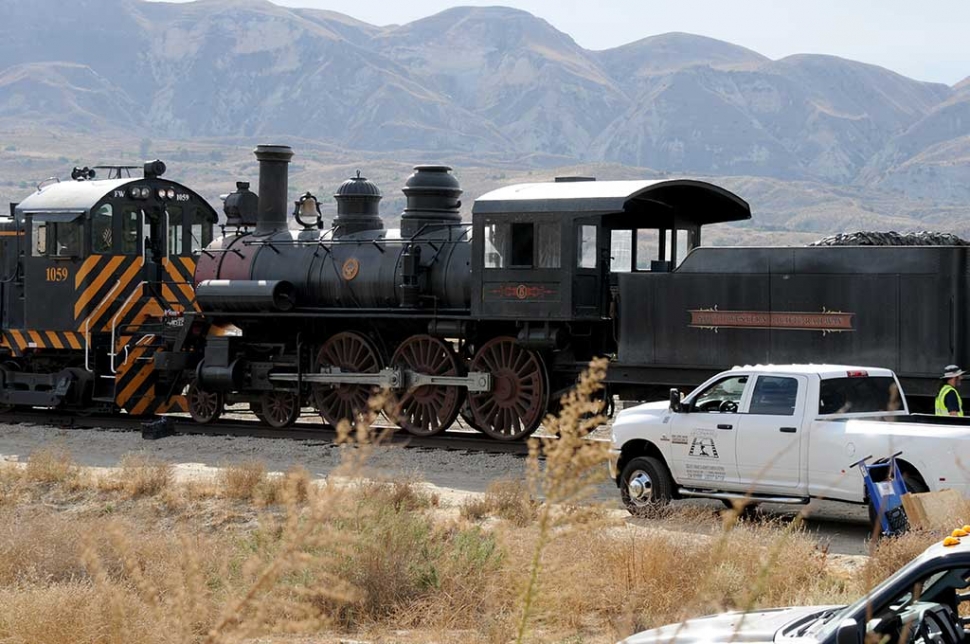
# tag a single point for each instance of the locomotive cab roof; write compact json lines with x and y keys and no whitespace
{"x":691,"y":201}
{"x":70,"y":197}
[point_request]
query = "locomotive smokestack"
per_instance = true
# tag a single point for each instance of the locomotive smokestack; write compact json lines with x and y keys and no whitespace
{"x":273,"y":185}
{"x":432,"y":193}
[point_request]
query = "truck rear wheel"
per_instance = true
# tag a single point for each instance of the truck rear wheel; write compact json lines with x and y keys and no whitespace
{"x":645,"y":483}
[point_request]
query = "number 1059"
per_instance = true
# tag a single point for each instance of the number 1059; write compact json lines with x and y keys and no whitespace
{"x":56,"y":274}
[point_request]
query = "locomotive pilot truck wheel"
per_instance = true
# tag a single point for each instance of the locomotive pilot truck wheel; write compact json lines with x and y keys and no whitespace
{"x":645,"y":483}
{"x":204,"y":406}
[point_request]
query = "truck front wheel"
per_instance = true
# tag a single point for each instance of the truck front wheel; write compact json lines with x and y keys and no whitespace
{"x":645,"y":483}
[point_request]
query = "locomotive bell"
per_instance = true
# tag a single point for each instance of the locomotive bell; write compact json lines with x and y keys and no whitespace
{"x":358,"y":203}
{"x":432,"y":200}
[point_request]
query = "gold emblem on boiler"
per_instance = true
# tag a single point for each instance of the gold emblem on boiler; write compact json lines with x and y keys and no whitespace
{"x":350,"y":269}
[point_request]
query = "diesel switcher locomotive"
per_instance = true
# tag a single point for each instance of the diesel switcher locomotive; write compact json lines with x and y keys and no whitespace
{"x":94,"y":272}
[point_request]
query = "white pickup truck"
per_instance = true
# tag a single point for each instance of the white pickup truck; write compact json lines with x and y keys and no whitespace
{"x":782,"y":434}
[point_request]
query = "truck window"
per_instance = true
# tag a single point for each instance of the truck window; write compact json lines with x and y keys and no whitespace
{"x":858,"y":395}
{"x":723,"y":396}
{"x":774,"y":396}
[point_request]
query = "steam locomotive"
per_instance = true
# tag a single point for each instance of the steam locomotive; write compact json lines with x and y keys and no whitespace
{"x":494,"y":319}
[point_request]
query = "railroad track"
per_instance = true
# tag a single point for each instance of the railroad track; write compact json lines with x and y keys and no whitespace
{"x":461,"y":440}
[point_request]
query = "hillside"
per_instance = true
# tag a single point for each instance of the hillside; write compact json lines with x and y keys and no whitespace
{"x":480,"y":87}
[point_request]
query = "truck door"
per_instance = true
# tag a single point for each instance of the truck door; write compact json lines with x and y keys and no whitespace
{"x":702,"y":439}
{"x":769,"y":435}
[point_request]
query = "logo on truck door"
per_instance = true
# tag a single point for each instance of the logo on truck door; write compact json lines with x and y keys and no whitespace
{"x":827,"y":321}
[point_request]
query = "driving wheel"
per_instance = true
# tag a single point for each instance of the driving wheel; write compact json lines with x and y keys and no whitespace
{"x":352,"y":353}
{"x":429,"y":409}
{"x":520,"y":392}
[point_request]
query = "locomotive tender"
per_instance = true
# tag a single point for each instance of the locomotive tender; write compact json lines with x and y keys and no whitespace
{"x":94,"y":270}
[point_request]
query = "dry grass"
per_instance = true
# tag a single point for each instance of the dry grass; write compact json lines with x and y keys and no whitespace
{"x":144,"y":476}
{"x":52,"y":464}
{"x":240,"y":481}
{"x":510,"y":500}
{"x":140,"y":557}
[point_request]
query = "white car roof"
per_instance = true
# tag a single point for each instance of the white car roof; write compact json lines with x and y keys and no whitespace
{"x":823,"y":371}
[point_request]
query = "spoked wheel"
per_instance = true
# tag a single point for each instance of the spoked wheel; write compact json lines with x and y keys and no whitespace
{"x":353,"y":353}
{"x":429,"y":409}
{"x":279,"y":408}
{"x":204,"y":406}
{"x":520,"y":392}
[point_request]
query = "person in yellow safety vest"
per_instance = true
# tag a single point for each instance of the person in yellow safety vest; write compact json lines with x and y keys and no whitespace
{"x":948,"y":401}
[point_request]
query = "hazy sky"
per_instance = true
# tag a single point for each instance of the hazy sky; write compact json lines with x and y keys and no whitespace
{"x":928,"y":40}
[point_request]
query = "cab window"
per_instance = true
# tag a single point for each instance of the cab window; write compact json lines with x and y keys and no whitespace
{"x":56,"y":239}
{"x":523,"y":245}
{"x":548,"y":245}
{"x":201,"y":231}
{"x":586,"y":247}
{"x":621,"y":251}
{"x":130,"y":231}
{"x":724,"y":396}
{"x":175,"y":230}
{"x":101,"y":233}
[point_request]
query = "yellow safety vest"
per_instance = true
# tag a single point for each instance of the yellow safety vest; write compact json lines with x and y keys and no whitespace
{"x":941,"y":409}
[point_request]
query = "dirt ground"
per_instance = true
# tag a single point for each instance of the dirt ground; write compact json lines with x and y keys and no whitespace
{"x":454,"y":474}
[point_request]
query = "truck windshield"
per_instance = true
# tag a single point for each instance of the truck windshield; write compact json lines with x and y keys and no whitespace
{"x":859,"y":395}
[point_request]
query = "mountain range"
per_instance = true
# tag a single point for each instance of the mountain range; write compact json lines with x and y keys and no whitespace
{"x":494,"y":85}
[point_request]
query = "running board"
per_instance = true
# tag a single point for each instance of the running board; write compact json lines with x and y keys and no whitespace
{"x":740,"y":496}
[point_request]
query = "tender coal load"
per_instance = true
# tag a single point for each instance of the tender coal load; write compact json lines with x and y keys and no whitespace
{"x":892,"y":238}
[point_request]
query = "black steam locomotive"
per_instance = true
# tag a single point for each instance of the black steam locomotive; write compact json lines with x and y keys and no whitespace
{"x":494,"y":319}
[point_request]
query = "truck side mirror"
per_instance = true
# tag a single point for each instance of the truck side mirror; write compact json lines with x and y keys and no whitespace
{"x":848,"y":632}
{"x":675,"y":405}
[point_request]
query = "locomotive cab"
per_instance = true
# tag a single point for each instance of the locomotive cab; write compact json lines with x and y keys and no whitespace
{"x":553,"y":251}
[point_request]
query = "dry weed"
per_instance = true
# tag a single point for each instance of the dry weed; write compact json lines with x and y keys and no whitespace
{"x":399,"y":494}
{"x":241,"y":481}
{"x":568,"y":473}
{"x":52,"y":464}
{"x":144,"y":476}
{"x":275,"y":490}
{"x":506,"y":499}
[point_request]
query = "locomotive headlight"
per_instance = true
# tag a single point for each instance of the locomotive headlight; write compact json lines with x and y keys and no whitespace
{"x":170,"y":193}
{"x":161,"y":193}
{"x":135,"y":193}
{"x":145,"y":192}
